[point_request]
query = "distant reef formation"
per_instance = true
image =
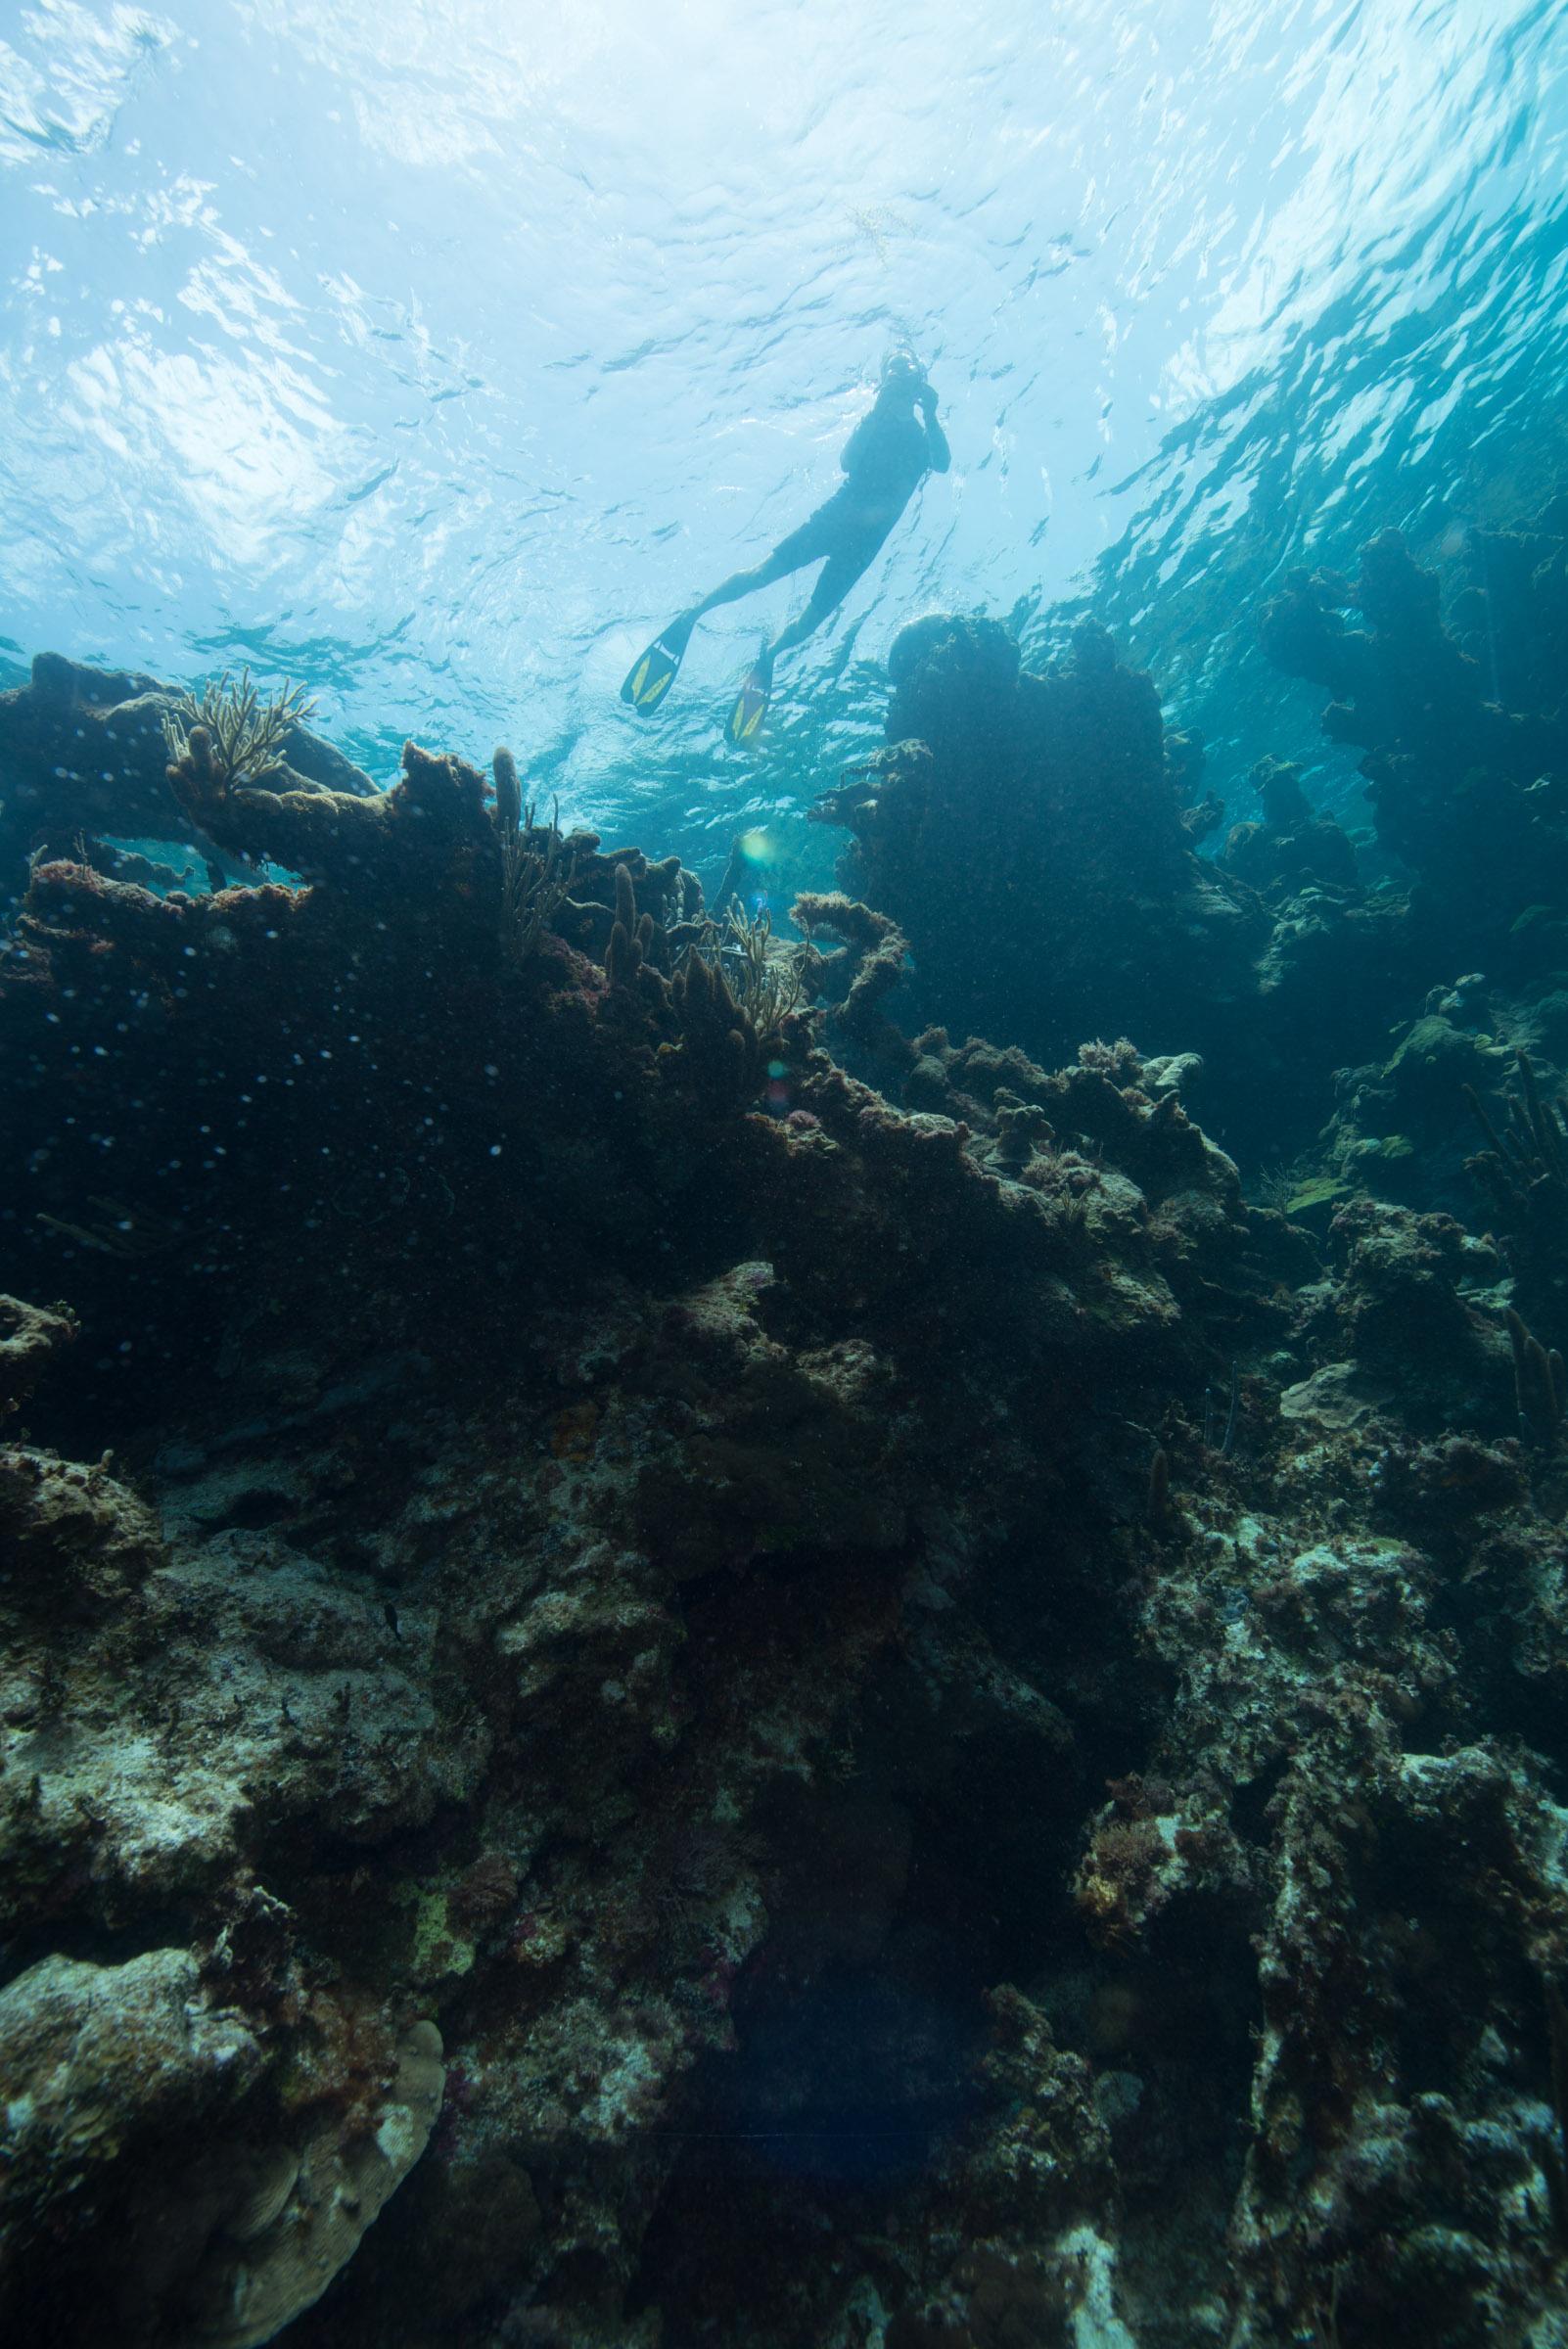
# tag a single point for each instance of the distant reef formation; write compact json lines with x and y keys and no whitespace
{"x":1035,"y":838}
{"x":1043,"y":816}
{"x":716,"y":1641}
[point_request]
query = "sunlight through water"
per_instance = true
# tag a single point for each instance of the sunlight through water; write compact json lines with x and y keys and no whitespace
{"x":438,"y":362}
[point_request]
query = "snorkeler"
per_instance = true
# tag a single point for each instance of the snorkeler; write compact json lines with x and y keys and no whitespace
{"x":885,"y":459}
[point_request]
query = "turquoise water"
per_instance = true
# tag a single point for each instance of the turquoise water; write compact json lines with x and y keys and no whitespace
{"x":839,"y":1645}
{"x":436,"y":362}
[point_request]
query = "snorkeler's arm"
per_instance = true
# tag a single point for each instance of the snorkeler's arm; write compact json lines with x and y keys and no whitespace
{"x":936,"y":439}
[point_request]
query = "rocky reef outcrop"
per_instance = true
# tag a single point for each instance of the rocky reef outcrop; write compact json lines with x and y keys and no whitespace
{"x":1028,"y":835}
{"x":1035,"y":838}
{"x":1459,"y":954}
{"x":693,"y":1656}
{"x":84,"y":774}
{"x":1468,"y":785}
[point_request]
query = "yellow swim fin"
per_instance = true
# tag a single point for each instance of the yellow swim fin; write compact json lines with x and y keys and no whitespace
{"x":655,"y":671}
{"x":750,"y":703}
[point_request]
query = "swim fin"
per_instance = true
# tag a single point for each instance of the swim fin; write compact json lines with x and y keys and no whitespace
{"x":654,"y":672}
{"x":750,"y":703}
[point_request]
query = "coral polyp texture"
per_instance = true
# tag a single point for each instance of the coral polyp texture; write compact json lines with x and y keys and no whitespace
{"x":717,"y":1639}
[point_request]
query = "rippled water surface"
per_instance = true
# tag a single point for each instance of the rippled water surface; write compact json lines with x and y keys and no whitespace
{"x":437,"y":353}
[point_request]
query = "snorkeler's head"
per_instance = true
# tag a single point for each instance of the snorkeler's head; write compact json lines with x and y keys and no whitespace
{"x":901,"y":371}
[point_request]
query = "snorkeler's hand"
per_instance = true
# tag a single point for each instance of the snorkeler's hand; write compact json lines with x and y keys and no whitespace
{"x":926,"y":401}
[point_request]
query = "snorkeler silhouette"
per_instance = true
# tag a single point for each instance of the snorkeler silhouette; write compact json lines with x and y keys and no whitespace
{"x":885,"y":459}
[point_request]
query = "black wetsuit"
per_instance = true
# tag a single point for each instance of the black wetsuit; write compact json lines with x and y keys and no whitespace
{"x":885,"y":459}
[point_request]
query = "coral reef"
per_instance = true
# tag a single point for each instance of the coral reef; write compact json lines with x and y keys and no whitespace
{"x":1033,"y":839}
{"x":1026,"y":833}
{"x":1523,"y":1173}
{"x":247,"y":736}
{"x":1458,"y":953}
{"x":84,"y":769}
{"x":752,"y":1663}
{"x":1291,"y":848}
{"x":1466,"y":791}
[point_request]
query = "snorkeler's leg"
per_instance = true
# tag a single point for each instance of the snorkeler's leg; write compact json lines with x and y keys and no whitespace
{"x":654,"y":672}
{"x":741,"y":583}
{"x":806,"y":545}
{"x":838,"y":575}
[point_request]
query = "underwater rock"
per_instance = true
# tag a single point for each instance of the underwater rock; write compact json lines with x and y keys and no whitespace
{"x":1367,"y":2241}
{"x":296,"y":2217}
{"x":1406,"y":1122}
{"x":1025,"y":834}
{"x":77,"y":1543}
{"x":1403,"y":1318}
{"x":1291,"y":849}
{"x":1465,"y":754}
{"x":1026,"y":837}
{"x":1337,"y":1397}
{"x":83,"y":758}
{"x":108,"y":2069}
{"x":29,"y":1336}
{"x":1522,"y":1172}
{"x":115,"y":2074}
{"x":1466,"y":792}
{"x":1433,"y":1064}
